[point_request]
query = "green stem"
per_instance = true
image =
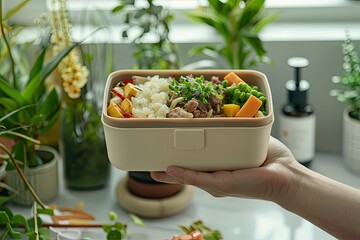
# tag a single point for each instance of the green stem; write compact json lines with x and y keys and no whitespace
{"x":22,"y":176}
{"x":12,"y":63}
{"x":36,"y":227}
{"x":7,"y":230}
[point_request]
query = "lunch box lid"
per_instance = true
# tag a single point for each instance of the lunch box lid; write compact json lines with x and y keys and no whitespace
{"x":251,"y":77}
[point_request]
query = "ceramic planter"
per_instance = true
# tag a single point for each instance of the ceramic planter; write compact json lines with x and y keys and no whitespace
{"x":351,"y":142}
{"x":43,"y":179}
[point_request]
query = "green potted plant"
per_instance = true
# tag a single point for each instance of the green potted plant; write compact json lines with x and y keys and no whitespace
{"x":16,"y":226}
{"x":349,"y":93}
{"x":238,"y":23}
{"x":152,"y":21}
{"x":39,"y":115}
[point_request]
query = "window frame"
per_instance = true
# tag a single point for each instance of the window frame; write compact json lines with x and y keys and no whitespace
{"x":305,"y":15}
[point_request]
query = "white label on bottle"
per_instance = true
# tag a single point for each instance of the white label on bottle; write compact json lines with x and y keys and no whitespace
{"x":298,"y":134}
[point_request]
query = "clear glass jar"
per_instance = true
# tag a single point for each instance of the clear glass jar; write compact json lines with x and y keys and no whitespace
{"x":82,"y":145}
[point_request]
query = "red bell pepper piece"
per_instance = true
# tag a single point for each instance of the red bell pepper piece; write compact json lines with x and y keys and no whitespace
{"x":126,"y":81}
{"x":117,"y":93}
{"x":127,"y":115}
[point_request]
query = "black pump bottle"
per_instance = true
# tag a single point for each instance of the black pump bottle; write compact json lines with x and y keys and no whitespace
{"x":297,"y":120}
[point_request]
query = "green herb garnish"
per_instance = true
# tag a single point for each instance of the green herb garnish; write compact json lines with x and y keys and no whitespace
{"x":198,"y":88}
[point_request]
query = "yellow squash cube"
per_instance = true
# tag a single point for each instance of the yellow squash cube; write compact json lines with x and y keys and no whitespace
{"x":230,"y":110}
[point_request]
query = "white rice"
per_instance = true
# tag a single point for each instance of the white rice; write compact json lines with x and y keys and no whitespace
{"x":151,"y":101}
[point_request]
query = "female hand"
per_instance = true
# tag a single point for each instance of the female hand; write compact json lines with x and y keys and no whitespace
{"x":271,"y":181}
{"x":331,"y":205}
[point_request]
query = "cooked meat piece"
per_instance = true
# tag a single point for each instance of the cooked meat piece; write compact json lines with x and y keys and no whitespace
{"x":178,"y":113}
{"x":215,"y":80}
{"x":199,"y":114}
{"x":202,"y":107}
{"x":191,"y":105}
{"x":215,"y":103}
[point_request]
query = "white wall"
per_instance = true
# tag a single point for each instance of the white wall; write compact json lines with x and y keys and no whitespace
{"x":325,"y":59}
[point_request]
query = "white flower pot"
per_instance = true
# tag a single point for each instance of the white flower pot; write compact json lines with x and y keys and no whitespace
{"x":351,"y":142}
{"x":43,"y":179}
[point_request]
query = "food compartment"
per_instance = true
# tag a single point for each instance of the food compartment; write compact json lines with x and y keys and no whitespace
{"x":208,"y":144}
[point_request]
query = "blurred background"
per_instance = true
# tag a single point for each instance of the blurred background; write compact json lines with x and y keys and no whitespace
{"x":311,"y":29}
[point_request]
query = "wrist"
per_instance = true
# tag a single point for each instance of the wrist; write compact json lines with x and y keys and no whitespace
{"x":288,"y":191}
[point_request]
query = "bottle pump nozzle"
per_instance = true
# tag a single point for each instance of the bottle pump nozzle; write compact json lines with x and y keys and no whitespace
{"x":297,"y":88}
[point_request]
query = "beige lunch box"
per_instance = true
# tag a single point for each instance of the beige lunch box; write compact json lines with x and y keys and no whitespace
{"x":206,"y":144}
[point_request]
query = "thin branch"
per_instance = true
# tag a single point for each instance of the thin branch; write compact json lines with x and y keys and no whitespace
{"x":12,"y":63}
{"x":22,"y":176}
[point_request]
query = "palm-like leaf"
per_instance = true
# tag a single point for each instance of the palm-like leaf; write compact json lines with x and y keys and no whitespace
{"x":238,"y":23}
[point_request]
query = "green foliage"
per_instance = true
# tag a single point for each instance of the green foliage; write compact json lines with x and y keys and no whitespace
{"x":194,"y":88}
{"x":138,"y":221}
{"x":40,"y":109}
{"x":152,"y":21}
{"x":350,"y":80}
{"x":238,"y":23}
{"x":18,"y":227}
{"x":116,"y":230}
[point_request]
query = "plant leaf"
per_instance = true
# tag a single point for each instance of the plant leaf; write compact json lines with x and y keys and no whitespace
{"x":15,"y":111}
{"x":255,"y":43}
{"x":14,"y":234}
{"x":19,"y":220}
{"x":35,"y":86}
{"x":117,"y":9}
{"x":264,"y":21}
{"x":5,"y":215}
{"x":140,"y":13}
{"x":4,"y":218}
{"x":136,"y":220}
{"x":252,"y":8}
{"x":51,"y":65}
{"x":114,"y":235}
{"x":15,"y":9}
{"x":50,"y":123}
{"x":7,"y":90}
{"x":38,"y":64}
{"x":4,"y":200}
{"x":46,"y":211}
{"x":201,"y":17}
{"x":217,"y":5}
{"x":202,"y":49}
{"x":50,"y":104}
{"x":8,"y":104}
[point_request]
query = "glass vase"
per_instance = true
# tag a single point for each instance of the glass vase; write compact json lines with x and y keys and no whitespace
{"x":82,"y":146}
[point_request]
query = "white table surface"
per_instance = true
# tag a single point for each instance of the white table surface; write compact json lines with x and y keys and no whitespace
{"x":235,"y":218}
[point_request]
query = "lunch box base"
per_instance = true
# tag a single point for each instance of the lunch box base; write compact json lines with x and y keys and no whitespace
{"x":204,"y":149}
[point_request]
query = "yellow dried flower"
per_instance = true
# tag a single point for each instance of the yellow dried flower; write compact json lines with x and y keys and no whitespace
{"x":73,"y":72}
